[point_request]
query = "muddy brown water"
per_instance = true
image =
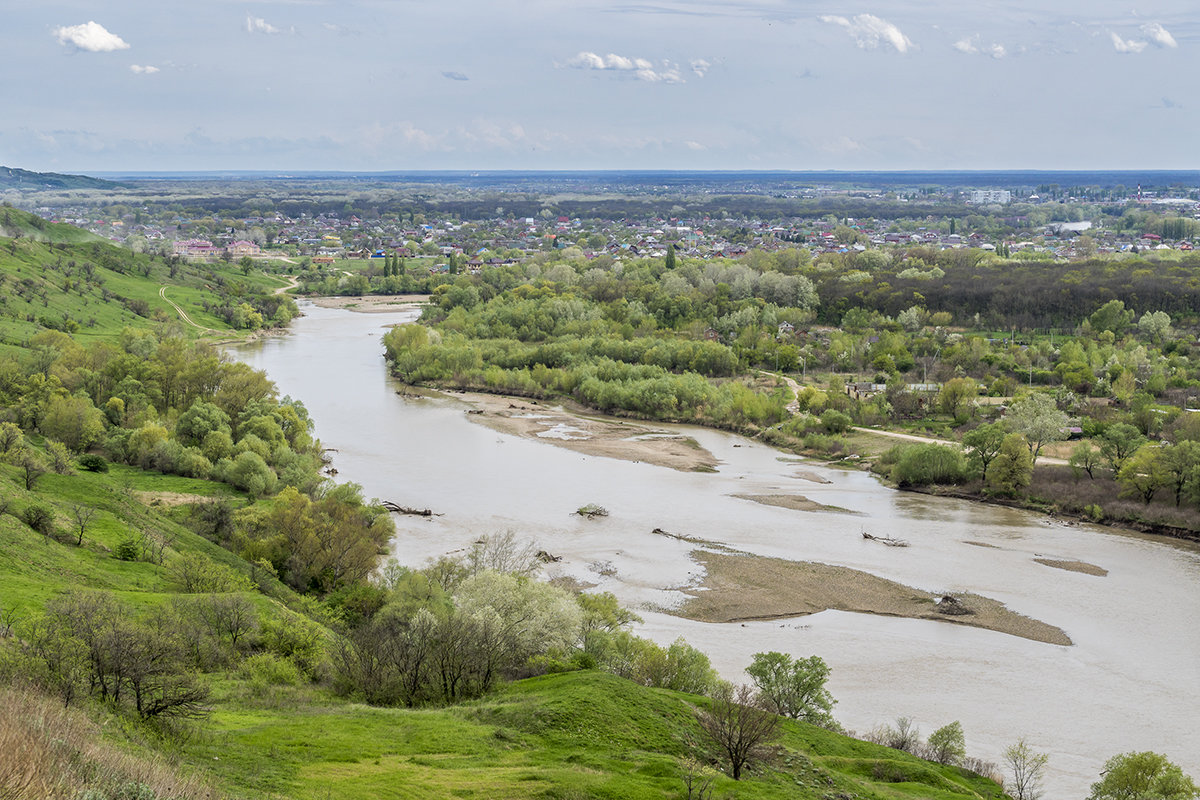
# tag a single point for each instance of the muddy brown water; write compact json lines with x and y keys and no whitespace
{"x":1130,"y":682}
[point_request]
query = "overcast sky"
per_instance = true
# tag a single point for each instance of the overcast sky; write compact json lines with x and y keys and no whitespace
{"x":95,"y":85}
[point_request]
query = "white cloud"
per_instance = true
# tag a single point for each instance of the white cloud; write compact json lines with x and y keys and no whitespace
{"x":90,"y":36}
{"x":1159,"y":35}
{"x":260,"y":25}
{"x":870,"y":31}
{"x":971,"y":46}
{"x":1127,"y":45}
{"x":143,"y":70}
{"x":455,"y":76}
{"x":640,"y":68}
{"x":700,"y":67}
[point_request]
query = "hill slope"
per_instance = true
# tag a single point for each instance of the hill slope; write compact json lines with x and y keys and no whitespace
{"x":14,"y":178}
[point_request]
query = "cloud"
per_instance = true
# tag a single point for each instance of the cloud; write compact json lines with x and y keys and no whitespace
{"x":1127,"y":45}
{"x":340,"y":30}
{"x":142,"y":70}
{"x":455,"y":76}
{"x":971,"y":46}
{"x":260,"y":25}
{"x":1159,"y":35}
{"x":90,"y":36}
{"x":870,"y":31}
{"x":640,"y":68}
{"x":700,"y":67}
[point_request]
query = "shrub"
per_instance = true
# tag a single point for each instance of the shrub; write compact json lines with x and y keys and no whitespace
{"x":268,"y":669}
{"x":128,"y":550}
{"x":923,"y":464}
{"x":39,"y":517}
{"x":93,"y":462}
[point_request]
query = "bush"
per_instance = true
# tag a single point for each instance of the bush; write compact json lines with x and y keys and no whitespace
{"x":923,"y":464}
{"x":269,"y":669}
{"x":128,"y":550}
{"x":93,"y":463}
{"x":39,"y":517}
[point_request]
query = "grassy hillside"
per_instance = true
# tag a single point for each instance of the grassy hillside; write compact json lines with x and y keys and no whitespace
{"x":56,"y":276}
{"x":571,"y":735}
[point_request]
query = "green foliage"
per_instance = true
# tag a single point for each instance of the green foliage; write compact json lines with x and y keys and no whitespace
{"x":1143,"y":776}
{"x":947,"y":745}
{"x":795,"y":688}
{"x":1012,"y":468}
{"x":925,"y":464}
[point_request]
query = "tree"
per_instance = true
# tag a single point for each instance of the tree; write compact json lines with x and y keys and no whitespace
{"x":794,"y":687}
{"x":983,"y":445}
{"x":1037,"y":419}
{"x":1086,"y":457}
{"x":1027,"y":767}
{"x":83,"y":517}
{"x":670,"y":260}
{"x":738,"y":728}
{"x":1111,"y":316}
{"x":1119,"y":442}
{"x":1144,"y":473}
{"x":1182,"y":464}
{"x":1143,"y":776}
{"x":947,"y":745}
{"x":1013,"y":466}
{"x":1155,"y":324}
{"x":955,"y":397}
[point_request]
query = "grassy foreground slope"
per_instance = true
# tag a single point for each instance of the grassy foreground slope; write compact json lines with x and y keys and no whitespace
{"x":570,"y":735}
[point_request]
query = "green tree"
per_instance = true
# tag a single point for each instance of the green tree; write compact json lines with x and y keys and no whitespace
{"x":1182,"y":464}
{"x":1013,"y":466}
{"x":1144,"y":473}
{"x":1037,"y":419}
{"x":948,"y":745}
{"x":1119,"y":442}
{"x":1086,"y":457}
{"x":1143,"y":776}
{"x":670,"y":260}
{"x":1111,"y":316}
{"x":794,"y":687}
{"x":983,"y":445}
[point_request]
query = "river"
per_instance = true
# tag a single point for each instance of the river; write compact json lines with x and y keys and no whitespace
{"x":1131,"y":681}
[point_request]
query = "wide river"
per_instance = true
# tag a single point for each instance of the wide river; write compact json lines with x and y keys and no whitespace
{"x":1131,"y":681}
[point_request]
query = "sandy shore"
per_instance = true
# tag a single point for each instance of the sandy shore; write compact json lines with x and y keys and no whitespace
{"x":740,"y":587}
{"x":590,"y":435}
{"x":373,"y":303}
{"x":796,"y":502}
{"x":1074,"y":566}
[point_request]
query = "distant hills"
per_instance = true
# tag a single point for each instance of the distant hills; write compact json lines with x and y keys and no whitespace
{"x":13,"y":178}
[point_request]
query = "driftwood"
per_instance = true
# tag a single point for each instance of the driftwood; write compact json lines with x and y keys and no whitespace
{"x":416,"y":512}
{"x":546,"y":558}
{"x":888,"y":540}
{"x":592,"y":510}
{"x":949,"y":604}
{"x":474,"y":410}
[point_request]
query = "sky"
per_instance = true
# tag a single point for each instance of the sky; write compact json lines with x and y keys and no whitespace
{"x":380,"y":85}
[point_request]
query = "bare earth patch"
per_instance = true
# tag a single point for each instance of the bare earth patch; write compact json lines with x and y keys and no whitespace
{"x":980,"y":544}
{"x":813,"y":477}
{"x":373,"y":303}
{"x":170,"y":498}
{"x":741,"y":587}
{"x":1074,"y":566}
{"x":593,"y":436}
{"x":796,"y":502}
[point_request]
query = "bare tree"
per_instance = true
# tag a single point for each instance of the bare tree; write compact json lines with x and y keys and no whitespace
{"x":739,"y":728}
{"x":1027,"y":769}
{"x":83,"y":517}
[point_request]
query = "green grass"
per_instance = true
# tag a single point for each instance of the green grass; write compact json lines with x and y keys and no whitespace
{"x":45,"y":282}
{"x":580,"y":734}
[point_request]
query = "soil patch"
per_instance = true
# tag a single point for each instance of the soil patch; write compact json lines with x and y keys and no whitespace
{"x":796,"y":502}
{"x":1074,"y":566}
{"x":805,"y":475}
{"x":170,"y":498}
{"x":590,"y":435}
{"x":981,"y":544}
{"x":373,"y":303}
{"x":740,"y":587}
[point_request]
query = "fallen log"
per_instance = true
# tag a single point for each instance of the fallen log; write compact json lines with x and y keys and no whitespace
{"x":888,"y":540}
{"x":415,"y":512}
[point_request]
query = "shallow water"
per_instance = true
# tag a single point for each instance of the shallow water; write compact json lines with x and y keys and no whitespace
{"x":1130,"y":682}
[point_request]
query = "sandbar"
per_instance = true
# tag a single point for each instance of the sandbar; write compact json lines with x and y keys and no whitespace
{"x":742,"y":587}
